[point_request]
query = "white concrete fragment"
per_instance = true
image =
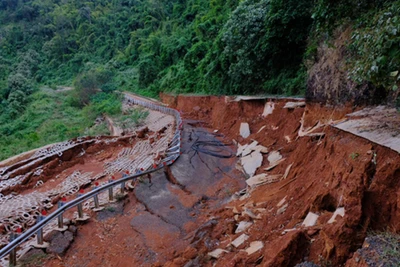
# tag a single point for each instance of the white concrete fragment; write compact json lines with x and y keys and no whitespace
{"x":263,"y":178}
{"x":283,"y":200}
{"x":338,"y":211}
{"x":249,"y":148}
{"x":240,"y":240}
{"x":254,"y":247}
{"x":243,"y":226}
{"x":274,"y":156}
{"x":261,"y":148}
{"x":292,"y":105}
{"x":276,"y":163}
{"x":262,"y":128}
{"x":252,"y":162}
{"x":258,"y":179}
{"x":251,"y":214}
{"x":217,"y":253}
{"x":310,"y":220}
{"x":244,"y":129}
{"x":268,"y":109}
{"x":282,"y":209}
{"x":240,"y":149}
{"x":287,"y":171}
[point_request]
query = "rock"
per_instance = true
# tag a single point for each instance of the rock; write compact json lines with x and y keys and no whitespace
{"x":240,"y":240}
{"x":73,"y":229}
{"x":282,"y":209}
{"x":252,"y":162}
{"x":244,"y":129}
{"x":60,"y":242}
{"x":217,"y":253}
{"x":338,"y":211}
{"x":243,"y":226}
{"x":310,"y":220}
{"x":33,"y":254}
{"x":292,"y":105}
{"x":254,"y":247}
{"x":268,"y":109}
{"x":249,"y":148}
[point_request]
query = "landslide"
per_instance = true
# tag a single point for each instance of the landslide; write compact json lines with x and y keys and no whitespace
{"x":336,"y":169}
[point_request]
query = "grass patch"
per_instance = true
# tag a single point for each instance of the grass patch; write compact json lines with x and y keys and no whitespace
{"x":132,"y":118}
{"x":50,"y":118}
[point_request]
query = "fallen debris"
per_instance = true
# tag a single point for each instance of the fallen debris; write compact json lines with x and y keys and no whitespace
{"x":263,"y":179}
{"x":338,"y":211}
{"x":268,"y":109}
{"x":287,"y":171}
{"x":249,"y":148}
{"x":262,"y":128}
{"x":251,"y":214}
{"x":310,"y":220}
{"x":274,"y":156}
{"x":293,"y":105}
{"x":254,"y":247}
{"x":252,"y":162}
{"x":282,"y":209}
{"x":281,"y":202}
{"x":240,"y":240}
{"x":243,"y":226}
{"x":276,"y":163}
{"x":244,"y":129}
{"x":217,"y":253}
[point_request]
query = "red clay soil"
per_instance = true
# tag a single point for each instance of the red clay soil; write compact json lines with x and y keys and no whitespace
{"x":334,"y":171}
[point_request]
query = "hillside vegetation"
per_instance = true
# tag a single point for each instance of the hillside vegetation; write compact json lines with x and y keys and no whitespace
{"x":196,"y":46}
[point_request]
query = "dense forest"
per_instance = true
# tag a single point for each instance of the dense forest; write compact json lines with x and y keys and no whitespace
{"x":180,"y":46}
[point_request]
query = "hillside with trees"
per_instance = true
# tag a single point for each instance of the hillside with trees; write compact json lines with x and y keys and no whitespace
{"x":195,"y":46}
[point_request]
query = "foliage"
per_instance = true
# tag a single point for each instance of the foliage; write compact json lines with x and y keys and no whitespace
{"x":375,"y":46}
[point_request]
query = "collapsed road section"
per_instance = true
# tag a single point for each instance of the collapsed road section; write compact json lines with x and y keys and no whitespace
{"x":31,"y":184}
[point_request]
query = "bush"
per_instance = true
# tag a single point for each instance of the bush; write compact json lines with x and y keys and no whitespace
{"x":375,"y":47}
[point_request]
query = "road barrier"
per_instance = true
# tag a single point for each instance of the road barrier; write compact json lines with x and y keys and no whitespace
{"x":172,"y":153}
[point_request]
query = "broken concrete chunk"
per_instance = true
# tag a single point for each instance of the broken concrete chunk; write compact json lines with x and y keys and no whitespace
{"x":274,"y":156}
{"x":251,"y":214}
{"x":240,"y":240}
{"x":281,"y":202}
{"x":287,"y":171}
{"x":276,"y":163}
{"x":240,"y":149}
{"x":263,"y":179}
{"x":262,"y":128}
{"x":282,"y":209}
{"x":256,"y":180}
{"x":243,"y":227}
{"x":338,"y":211}
{"x":310,"y":220}
{"x":292,"y":105}
{"x":248,"y":149}
{"x":252,"y":162}
{"x":244,"y":129}
{"x":268,"y":109}
{"x":261,"y":148}
{"x":217,"y":253}
{"x":254,"y":247}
